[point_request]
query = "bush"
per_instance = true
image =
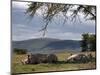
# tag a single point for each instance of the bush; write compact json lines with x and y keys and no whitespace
{"x":20,"y":51}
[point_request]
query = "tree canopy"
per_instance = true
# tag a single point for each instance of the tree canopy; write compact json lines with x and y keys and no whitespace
{"x":52,"y":10}
{"x":88,"y":42}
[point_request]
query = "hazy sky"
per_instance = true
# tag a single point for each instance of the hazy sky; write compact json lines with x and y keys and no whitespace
{"x":23,"y":28}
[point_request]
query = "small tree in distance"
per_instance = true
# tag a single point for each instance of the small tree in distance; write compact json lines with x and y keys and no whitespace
{"x":88,"y":42}
{"x":85,"y":42}
{"x":92,"y":42}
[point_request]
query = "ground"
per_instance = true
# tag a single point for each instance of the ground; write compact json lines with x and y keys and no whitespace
{"x":18,"y":67}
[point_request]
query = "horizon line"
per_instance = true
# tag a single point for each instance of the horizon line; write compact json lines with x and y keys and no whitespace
{"x":44,"y":38}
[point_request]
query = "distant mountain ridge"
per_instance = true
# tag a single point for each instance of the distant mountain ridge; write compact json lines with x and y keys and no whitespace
{"x":46,"y":44}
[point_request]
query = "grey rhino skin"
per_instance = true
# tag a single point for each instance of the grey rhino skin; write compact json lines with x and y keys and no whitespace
{"x":40,"y":58}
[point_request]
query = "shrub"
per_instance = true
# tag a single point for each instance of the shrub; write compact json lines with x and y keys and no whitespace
{"x":20,"y":51}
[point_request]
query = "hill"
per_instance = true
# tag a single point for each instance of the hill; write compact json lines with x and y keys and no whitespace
{"x":47,"y":45}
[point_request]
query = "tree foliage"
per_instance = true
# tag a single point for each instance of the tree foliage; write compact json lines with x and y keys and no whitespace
{"x":92,"y":40}
{"x":54,"y":9}
{"x":88,"y":42}
{"x":85,"y":42}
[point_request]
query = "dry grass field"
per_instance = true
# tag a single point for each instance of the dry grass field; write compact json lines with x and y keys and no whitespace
{"x":18,"y":67}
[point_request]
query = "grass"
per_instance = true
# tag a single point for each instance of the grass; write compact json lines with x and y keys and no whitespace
{"x":17,"y":67}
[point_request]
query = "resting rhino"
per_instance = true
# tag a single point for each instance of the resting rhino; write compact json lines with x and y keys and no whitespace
{"x":40,"y":58}
{"x":37,"y":58}
{"x":52,"y":58}
{"x":78,"y":58}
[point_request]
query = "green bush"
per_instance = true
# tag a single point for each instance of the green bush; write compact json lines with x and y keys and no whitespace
{"x":88,"y":42}
{"x":20,"y":51}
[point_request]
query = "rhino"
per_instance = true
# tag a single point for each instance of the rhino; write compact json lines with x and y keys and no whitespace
{"x":40,"y":58}
{"x":78,"y":58}
{"x":52,"y":58}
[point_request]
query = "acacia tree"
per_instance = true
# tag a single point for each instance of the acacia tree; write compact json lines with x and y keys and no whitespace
{"x":52,"y":10}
